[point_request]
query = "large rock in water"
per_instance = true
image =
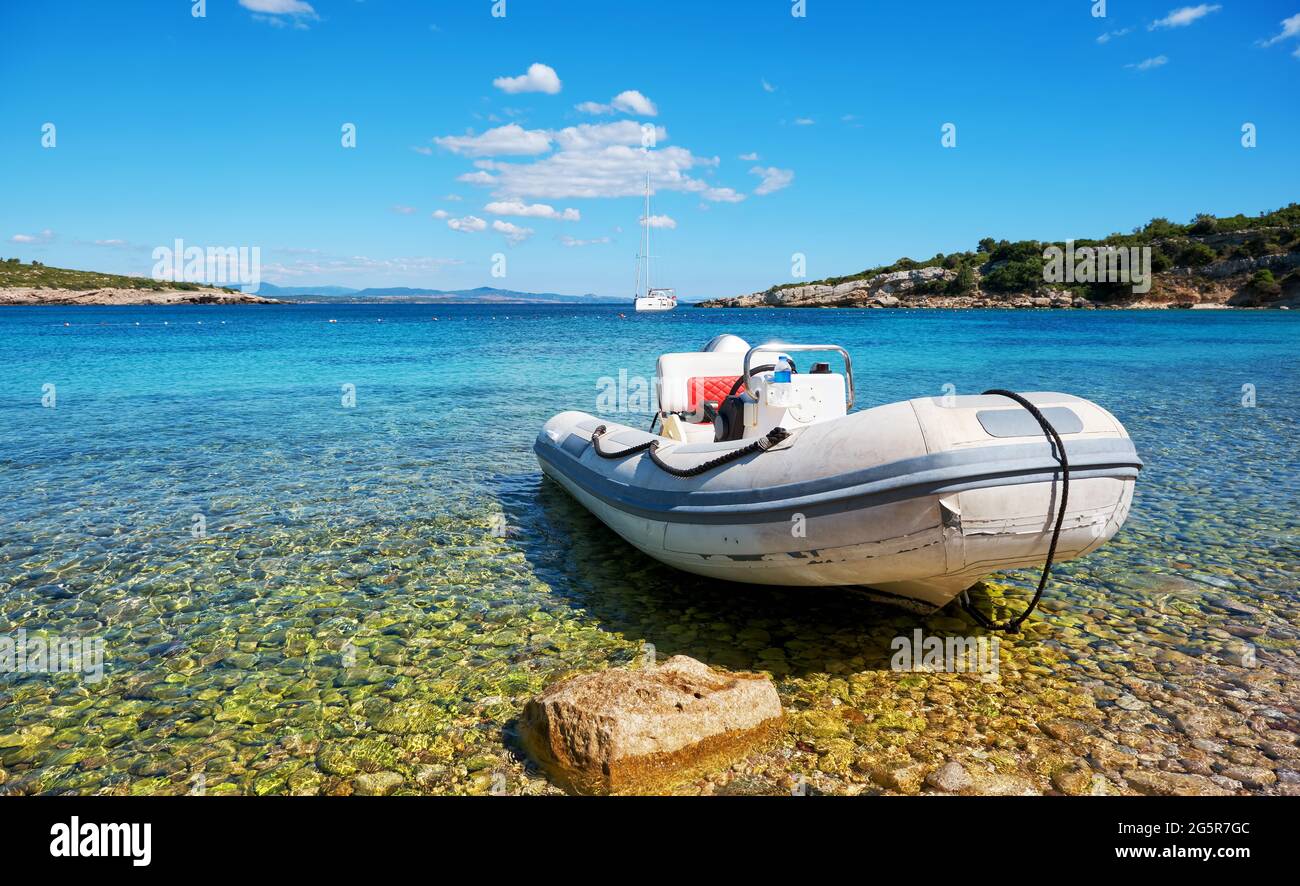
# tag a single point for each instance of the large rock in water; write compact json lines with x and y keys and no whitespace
{"x":642,"y":730}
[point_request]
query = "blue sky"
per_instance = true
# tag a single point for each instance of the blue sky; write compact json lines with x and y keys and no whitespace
{"x":776,"y":134}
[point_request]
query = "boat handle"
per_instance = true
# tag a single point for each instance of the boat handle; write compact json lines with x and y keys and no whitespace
{"x":777,"y":346}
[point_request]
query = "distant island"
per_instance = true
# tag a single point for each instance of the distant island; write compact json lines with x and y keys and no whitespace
{"x":1237,"y":261}
{"x":39,"y":284}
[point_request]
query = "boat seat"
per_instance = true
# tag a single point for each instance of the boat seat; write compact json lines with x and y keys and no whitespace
{"x":689,"y":379}
{"x":701,"y":389}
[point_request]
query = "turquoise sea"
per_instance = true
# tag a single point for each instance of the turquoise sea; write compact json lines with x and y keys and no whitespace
{"x":296,"y":595}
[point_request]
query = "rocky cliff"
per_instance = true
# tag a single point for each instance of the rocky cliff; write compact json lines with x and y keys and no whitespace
{"x":1219,"y":284}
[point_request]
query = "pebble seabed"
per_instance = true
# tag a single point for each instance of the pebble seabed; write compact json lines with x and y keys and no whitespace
{"x":379,"y":590}
{"x":396,"y":674}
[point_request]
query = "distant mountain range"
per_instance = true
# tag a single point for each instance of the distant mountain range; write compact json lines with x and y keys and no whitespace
{"x":481,"y":295}
{"x":272,"y":291}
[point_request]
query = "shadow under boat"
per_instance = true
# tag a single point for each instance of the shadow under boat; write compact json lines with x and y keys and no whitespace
{"x":784,"y":631}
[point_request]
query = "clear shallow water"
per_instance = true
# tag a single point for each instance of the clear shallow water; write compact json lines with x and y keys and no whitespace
{"x":381,"y":587}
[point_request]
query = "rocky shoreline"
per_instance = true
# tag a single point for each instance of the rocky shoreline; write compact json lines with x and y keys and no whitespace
{"x":1225,"y":284}
{"x":118,"y":296}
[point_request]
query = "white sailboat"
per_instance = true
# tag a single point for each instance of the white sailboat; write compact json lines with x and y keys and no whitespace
{"x":653,"y":299}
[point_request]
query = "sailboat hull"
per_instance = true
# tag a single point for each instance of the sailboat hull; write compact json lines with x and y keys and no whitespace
{"x":654,"y":304}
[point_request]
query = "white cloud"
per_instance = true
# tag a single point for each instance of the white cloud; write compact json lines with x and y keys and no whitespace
{"x":1111,"y":35}
{"x":420,"y":149}
{"x":514,"y":139}
{"x":590,"y":160}
{"x":404,"y":210}
{"x":540,"y":78}
{"x":281,"y":12}
{"x":804,"y":121}
{"x":511,"y":139}
{"x":468,"y":225}
{"x":611,"y":171}
{"x":632,"y":102}
{"x":44,"y":236}
{"x":1184,"y":16}
{"x":1290,"y":28}
{"x":773,"y":179}
{"x":751,"y":157}
{"x":113,"y":244}
{"x":573,"y":241}
{"x":767,"y":87}
{"x":658,"y":221}
{"x":722,"y":195}
{"x":278,"y":7}
{"x":514,"y":233}
{"x":629,"y":102}
{"x":533,"y":210}
{"x":439,"y":213}
{"x":589,"y":136}
{"x":1148,"y":64}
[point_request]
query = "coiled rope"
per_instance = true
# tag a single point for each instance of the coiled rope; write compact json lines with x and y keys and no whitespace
{"x":762,"y":444}
{"x":1012,"y":626}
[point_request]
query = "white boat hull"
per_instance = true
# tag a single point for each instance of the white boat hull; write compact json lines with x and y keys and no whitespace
{"x":654,"y":304}
{"x":917,"y":500}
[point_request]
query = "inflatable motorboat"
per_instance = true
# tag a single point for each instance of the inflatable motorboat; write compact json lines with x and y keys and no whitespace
{"x":762,"y":473}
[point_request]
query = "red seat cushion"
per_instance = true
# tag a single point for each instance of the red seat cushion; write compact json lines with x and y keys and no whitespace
{"x":703,"y":388}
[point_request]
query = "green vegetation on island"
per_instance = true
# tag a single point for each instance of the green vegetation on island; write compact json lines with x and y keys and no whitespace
{"x":15,"y":274}
{"x":1003,"y":266}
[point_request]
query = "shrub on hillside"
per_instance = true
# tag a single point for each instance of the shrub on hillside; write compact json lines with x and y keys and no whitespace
{"x":1265,"y":283}
{"x":1016,"y":276}
{"x":1196,"y":255}
{"x":1160,"y":260}
{"x":1021,"y":250}
{"x":1162,"y":227}
{"x":964,"y":282}
{"x":1257,"y":246}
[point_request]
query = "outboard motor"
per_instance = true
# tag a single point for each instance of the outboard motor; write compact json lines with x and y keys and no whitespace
{"x":726,"y":343}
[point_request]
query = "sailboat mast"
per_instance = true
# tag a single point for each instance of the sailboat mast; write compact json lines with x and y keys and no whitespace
{"x":647,"y":233}
{"x":638,"y":271}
